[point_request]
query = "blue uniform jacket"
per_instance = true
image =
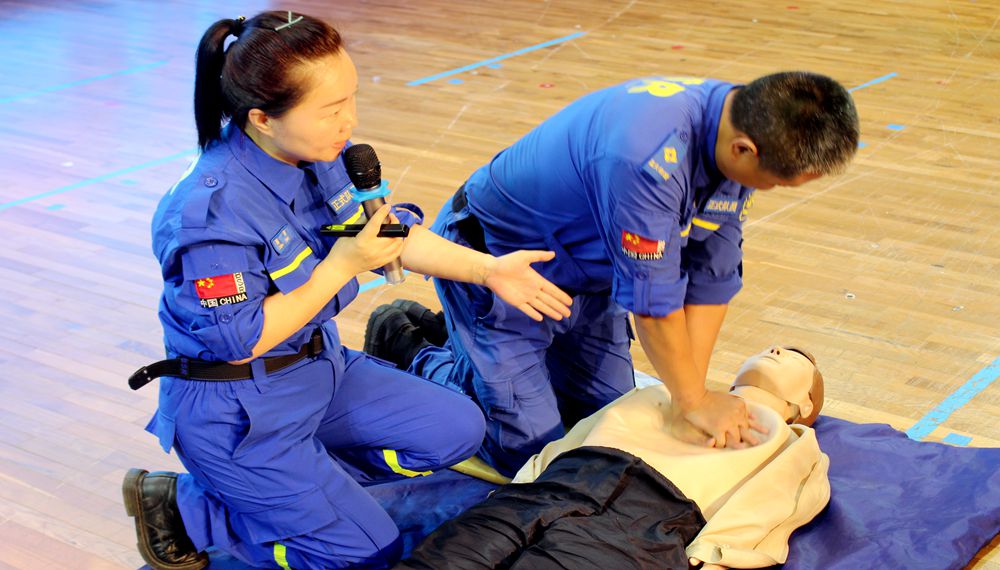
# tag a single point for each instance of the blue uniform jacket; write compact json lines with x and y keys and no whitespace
{"x":241,"y":225}
{"x":622,"y":184}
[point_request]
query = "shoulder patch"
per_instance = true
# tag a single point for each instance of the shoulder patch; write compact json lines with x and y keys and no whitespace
{"x":638,"y":247}
{"x":668,"y":158}
{"x":280,"y":241}
{"x":221,"y":290}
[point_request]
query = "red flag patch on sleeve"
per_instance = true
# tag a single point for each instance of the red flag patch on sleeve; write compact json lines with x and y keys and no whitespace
{"x":221,"y":290}
{"x":638,"y":247}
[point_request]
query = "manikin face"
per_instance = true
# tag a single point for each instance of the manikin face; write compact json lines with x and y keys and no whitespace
{"x":786,"y":374}
{"x":317,"y":128}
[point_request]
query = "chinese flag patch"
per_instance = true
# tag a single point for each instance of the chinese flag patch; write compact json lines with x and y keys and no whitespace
{"x":221,"y":290}
{"x":638,"y":247}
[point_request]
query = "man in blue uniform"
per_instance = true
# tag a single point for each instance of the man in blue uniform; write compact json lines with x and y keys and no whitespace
{"x":641,"y":189}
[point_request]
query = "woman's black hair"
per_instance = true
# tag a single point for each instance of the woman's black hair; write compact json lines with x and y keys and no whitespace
{"x":257,"y":70}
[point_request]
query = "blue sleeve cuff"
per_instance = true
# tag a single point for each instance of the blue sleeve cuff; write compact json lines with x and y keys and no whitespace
{"x":408,"y":214}
{"x":235,"y":332}
{"x":643,"y":296}
{"x":713,"y":291}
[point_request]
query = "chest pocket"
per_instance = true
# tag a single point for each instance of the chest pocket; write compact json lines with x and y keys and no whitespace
{"x":720,"y":214}
{"x":344,"y":209}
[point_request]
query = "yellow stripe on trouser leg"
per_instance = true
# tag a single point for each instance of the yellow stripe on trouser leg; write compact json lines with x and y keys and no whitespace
{"x":393,"y":462}
{"x":280,"y":556}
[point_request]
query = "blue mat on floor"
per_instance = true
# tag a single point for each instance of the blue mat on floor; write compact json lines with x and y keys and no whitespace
{"x":895,"y":503}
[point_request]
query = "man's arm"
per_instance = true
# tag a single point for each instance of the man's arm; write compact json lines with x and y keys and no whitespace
{"x":703,"y":325}
{"x":670,"y":346}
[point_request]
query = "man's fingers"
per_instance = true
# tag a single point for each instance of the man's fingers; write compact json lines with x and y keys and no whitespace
{"x":719,"y":441}
{"x":757,"y":426}
{"x":748,"y":437}
{"x":734,"y":439}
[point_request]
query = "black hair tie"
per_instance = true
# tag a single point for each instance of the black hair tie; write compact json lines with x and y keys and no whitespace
{"x":238,"y":26}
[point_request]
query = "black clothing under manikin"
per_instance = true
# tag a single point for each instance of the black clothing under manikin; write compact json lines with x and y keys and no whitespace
{"x":592,"y":508}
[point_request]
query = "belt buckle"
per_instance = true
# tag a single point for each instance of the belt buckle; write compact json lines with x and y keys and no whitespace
{"x":315,"y":344}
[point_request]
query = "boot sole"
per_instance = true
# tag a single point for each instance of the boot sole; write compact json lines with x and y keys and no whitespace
{"x":374,"y":321}
{"x":413,"y":309}
{"x":133,"y":507}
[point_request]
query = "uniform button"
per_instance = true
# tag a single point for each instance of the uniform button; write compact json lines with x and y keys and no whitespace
{"x":226,"y":318}
{"x":641,"y":275}
{"x":211,"y":182}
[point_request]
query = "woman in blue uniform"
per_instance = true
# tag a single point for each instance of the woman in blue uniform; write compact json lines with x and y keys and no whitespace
{"x":278,"y":424}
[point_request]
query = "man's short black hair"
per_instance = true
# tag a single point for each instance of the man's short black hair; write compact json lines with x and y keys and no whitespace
{"x":801,"y":122}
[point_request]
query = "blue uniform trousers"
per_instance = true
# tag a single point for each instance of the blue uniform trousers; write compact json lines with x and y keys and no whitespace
{"x":531,"y":379}
{"x":277,"y":464}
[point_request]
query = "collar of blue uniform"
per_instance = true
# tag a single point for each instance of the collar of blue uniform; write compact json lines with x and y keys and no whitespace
{"x":710,"y":126}
{"x":283,"y":179}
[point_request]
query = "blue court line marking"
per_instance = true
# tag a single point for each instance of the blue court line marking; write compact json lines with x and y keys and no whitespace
{"x":873,"y":82}
{"x":956,"y":400}
{"x":79,"y":82}
{"x":496,"y":59}
{"x":895,"y":127}
{"x":956,"y":439}
{"x":376,"y":282}
{"x":96,"y":179}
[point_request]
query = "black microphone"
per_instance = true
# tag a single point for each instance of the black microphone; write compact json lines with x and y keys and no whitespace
{"x":365,"y":172}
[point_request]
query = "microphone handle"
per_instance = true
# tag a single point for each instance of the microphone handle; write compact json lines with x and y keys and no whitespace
{"x":393,"y":271}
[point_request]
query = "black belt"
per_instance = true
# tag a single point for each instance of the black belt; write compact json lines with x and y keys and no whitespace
{"x":469,"y":227}
{"x":194,"y":369}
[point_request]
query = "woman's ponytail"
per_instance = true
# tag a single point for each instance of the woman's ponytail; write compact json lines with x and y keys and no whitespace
{"x":209,"y":100}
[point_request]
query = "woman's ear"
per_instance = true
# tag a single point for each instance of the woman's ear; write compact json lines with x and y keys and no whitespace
{"x":260,"y":121}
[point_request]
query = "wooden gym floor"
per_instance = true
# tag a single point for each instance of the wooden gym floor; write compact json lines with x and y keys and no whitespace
{"x":890,"y":273}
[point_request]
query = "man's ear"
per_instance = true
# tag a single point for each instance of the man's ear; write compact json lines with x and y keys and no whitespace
{"x":741,"y":145}
{"x":260,"y":121}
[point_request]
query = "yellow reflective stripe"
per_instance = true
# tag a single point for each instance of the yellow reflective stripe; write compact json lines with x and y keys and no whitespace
{"x":686,"y":231}
{"x":293,"y":265}
{"x":357,"y":216}
{"x":393,"y":462}
{"x":705,"y":224}
{"x":280,"y":556}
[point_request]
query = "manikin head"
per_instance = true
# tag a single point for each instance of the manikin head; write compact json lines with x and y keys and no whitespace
{"x":784,"y":379}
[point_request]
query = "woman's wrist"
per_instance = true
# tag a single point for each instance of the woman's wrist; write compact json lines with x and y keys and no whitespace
{"x":484,"y":269}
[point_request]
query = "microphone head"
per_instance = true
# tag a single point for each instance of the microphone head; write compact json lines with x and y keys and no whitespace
{"x":363,"y":166}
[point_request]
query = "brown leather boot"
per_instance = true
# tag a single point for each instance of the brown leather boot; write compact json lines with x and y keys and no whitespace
{"x":151,"y":498}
